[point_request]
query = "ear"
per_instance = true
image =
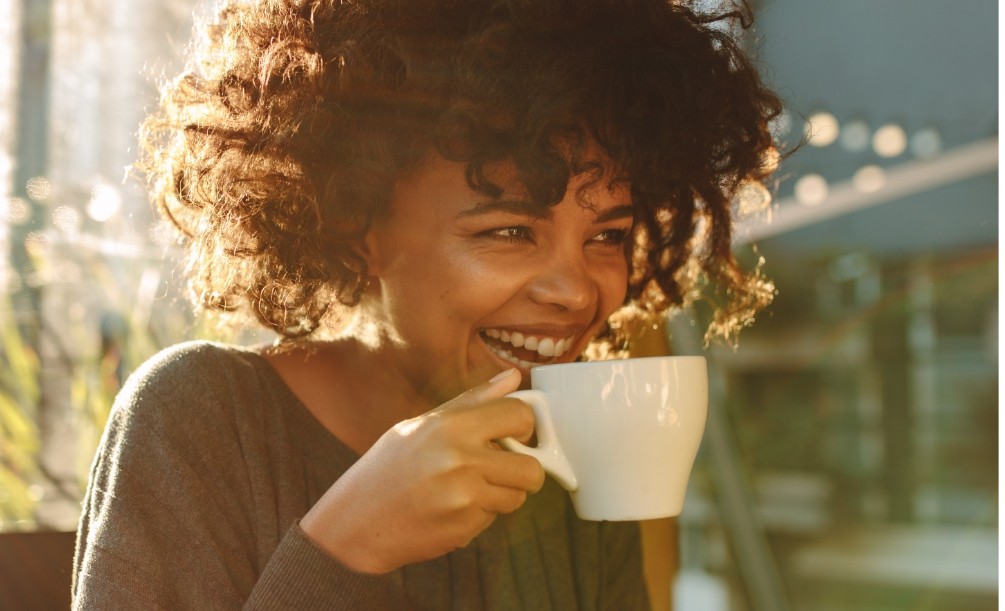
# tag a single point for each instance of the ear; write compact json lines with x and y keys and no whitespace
{"x":367,"y":249}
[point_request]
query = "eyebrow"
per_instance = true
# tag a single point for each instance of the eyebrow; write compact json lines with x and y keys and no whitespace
{"x":527,"y":208}
{"x":512,"y":206}
{"x":616,"y":212}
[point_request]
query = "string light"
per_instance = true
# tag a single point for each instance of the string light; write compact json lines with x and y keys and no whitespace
{"x":926,"y":142}
{"x":811,"y":190}
{"x":855,"y":136}
{"x":822,"y":129}
{"x":869,"y":179}
{"x":889,"y":140}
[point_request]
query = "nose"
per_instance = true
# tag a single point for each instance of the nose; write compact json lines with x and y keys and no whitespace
{"x":564,"y":281}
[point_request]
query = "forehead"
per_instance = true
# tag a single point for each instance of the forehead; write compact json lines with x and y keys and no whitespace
{"x":439,"y":188}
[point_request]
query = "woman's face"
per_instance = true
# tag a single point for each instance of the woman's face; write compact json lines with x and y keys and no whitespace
{"x":465,"y":286}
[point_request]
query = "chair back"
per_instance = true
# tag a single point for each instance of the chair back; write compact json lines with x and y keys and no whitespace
{"x":36,"y":569}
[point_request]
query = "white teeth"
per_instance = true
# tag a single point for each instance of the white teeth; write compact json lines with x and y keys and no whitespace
{"x":507,"y":356}
{"x":547,"y":347}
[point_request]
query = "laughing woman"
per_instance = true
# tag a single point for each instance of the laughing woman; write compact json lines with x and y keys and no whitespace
{"x":423,"y":200}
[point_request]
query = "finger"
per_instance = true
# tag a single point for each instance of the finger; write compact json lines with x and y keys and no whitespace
{"x":525,"y":432}
{"x":484,"y":413}
{"x":512,"y":470}
{"x":498,"y":418}
{"x":500,"y":499}
{"x":481,"y":422}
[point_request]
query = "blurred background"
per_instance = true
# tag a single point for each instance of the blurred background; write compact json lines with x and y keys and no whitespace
{"x":850,"y":460}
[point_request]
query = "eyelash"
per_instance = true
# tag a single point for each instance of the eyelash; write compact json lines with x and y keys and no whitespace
{"x":520,"y":234}
{"x":515,"y":234}
{"x":618,"y":237}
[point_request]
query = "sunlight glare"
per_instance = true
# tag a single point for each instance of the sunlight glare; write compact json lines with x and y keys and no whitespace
{"x":104,"y":204}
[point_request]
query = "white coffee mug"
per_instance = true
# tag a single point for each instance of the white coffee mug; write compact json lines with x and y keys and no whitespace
{"x":620,"y":435}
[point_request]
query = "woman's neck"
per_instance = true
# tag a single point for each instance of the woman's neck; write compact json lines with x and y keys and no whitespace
{"x":351,"y":387}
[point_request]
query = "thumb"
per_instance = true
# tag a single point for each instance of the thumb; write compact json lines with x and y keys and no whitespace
{"x":499,"y":386}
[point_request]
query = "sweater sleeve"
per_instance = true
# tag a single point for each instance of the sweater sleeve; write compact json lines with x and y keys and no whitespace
{"x":172,"y":515}
{"x":299,"y":574}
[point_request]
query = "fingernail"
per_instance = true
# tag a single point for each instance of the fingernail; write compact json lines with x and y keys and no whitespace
{"x":500,"y":376}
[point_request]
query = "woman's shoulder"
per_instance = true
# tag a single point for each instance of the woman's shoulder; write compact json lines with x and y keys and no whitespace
{"x":192,"y":367}
{"x":199,"y":358}
{"x":194,"y":379}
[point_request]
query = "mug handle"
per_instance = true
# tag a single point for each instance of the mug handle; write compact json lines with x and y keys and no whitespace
{"x":548,"y":452}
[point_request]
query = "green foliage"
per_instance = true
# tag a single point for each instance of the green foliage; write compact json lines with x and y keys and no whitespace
{"x":19,"y":393}
{"x":140,"y":323}
{"x":93,"y":383}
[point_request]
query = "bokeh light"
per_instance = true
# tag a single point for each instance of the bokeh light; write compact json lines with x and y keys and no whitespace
{"x":926,"y":142}
{"x":855,"y":136}
{"x":811,"y":190}
{"x":38,"y":188}
{"x":822,"y":129}
{"x":66,"y":219}
{"x":770,"y":160}
{"x":105,"y":203}
{"x":752,"y":198}
{"x":869,"y":179}
{"x":15,"y":210}
{"x":889,"y":140}
{"x":35,"y":243}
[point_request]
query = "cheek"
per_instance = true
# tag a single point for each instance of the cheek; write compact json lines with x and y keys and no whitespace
{"x":481,"y":279}
{"x":613,"y":287}
{"x":425,"y":275}
{"x":466,"y":288}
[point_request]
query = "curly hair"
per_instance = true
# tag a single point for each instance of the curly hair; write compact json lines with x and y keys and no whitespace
{"x":279,"y":146}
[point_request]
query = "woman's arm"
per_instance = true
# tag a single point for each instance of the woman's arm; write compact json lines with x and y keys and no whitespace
{"x":182,"y":510}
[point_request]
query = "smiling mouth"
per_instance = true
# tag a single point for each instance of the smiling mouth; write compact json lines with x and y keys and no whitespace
{"x":524,"y":350}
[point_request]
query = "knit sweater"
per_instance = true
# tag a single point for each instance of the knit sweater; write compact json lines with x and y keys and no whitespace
{"x":209,"y":461}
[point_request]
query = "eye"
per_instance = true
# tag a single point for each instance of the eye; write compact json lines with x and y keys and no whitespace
{"x":612,"y":237}
{"x":516,"y":233}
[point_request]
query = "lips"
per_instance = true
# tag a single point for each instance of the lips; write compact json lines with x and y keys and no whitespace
{"x":526,"y":350}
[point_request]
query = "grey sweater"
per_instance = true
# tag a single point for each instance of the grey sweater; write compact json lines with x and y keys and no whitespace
{"x":209,"y":461}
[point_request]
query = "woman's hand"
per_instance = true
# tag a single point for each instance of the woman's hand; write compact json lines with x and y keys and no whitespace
{"x":430,"y":484}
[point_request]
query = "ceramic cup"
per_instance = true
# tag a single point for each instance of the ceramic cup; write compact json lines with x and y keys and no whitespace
{"x":620,"y":435}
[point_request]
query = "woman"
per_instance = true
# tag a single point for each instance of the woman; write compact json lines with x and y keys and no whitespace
{"x":423,"y":200}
